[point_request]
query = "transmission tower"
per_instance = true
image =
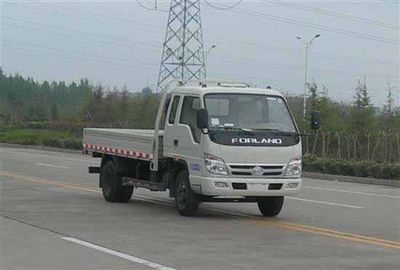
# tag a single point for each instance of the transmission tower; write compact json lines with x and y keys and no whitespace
{"x":183,"y":54}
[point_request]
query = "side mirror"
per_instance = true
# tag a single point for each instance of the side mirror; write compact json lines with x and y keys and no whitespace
{"x":315,"y":120}
{"x":202,"y":118}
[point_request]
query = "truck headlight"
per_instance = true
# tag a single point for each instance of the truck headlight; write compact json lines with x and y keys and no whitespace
{"x":215,"y":165}
{"x":293,"y":168}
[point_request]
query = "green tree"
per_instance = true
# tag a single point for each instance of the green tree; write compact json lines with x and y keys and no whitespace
{"x":361,"y":118}
{"x":331,"y":112}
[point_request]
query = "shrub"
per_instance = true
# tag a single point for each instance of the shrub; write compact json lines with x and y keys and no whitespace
{"x":360,"y":168}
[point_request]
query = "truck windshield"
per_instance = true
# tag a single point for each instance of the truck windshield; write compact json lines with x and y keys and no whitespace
{"x":248,"y":112}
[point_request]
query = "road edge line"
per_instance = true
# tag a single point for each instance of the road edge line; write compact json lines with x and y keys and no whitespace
{"x":118,"y":254}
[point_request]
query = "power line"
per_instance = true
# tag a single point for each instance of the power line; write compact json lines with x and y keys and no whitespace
{"x":223,"y":8}
{"x":123,"y":21}
{"x":334,"y":14}
{"x":231,"y":42}
{"x":106,"y":39}
{"x":285,"y":50}
{"x":147,"y":46}
{"x":143,"y":6}
{"x":258,"y":14}
{"x":351,"y":33}
{"x":263,"y":64}
{"x":73,"y":54}
{"x":101,"y":38}
{"x":95,"y":18}
{"x":110,"y":37}
{"x":151,"y":9}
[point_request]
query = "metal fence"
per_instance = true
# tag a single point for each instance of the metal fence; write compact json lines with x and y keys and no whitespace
{"x":379,"y":146}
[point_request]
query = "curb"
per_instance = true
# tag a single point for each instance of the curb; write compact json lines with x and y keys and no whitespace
{"x":40,"y":147}
{"x":352,"y":179}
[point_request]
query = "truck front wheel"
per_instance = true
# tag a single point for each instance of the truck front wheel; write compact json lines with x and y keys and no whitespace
{"x":270,"y":206}
{"x":113,"y":191}
{"x":187,"y":202}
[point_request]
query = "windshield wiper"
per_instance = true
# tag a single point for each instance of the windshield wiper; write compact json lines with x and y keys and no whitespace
{"x":251,"y":131}
{"x":268,"y":129}
{"x":281,"y":132}
{"x":244,"y":130}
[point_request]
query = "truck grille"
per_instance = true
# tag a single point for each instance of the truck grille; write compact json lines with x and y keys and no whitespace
{"x":247,"y":170}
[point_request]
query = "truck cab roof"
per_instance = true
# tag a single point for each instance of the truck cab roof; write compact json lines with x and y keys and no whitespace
{"x":202,"y":90}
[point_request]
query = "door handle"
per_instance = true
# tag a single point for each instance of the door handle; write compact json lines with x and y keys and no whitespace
{"x":176,"y":142}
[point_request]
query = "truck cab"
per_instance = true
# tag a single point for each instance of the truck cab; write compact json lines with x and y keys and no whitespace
{"x":221,"y":143}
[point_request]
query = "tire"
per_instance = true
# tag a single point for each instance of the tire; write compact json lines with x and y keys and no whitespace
{"x":125,"y":194}
{"x":270,"y":206}
{"x":112,"y":189}
{"x":186,"y":201}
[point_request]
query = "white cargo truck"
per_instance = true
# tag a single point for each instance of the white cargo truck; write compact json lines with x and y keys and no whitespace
{"x":212,"y":142}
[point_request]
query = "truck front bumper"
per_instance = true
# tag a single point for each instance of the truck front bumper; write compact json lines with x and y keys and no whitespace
{"x":213,"y":186}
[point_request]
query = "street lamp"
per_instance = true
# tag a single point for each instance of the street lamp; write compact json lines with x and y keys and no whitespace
{"x":307,"y":45}
{"x":208,"y":53}
{"x":209,"y":50}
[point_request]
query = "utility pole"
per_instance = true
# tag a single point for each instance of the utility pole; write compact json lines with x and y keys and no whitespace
{"x":307,"y":46}
{"x":183,"y":52}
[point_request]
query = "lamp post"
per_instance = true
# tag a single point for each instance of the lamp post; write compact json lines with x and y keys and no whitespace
{"x":207,"y":54}
{"x":307,"y":46}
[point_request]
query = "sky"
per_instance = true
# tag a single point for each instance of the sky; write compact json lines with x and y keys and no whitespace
{"x":117,"y":43}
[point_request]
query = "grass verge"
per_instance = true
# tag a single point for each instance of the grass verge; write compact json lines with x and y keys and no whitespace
{"x":43,"y":137}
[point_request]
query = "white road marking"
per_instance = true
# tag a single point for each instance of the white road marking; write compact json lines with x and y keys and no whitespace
{"x":118,"y":254}
{"x":51,"y":165}
{"x":355,"y":192}
{"x":327,"y":203}
{"x":52,"y":155}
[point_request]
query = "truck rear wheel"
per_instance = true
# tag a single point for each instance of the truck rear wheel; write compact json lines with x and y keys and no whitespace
{"x":270,"y":206}
{"x":187,"y":202}
{"x":125,"y":194}
{"x":112,"y":189}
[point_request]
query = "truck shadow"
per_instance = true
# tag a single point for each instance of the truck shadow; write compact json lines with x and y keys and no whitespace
{"x":168,"y":207}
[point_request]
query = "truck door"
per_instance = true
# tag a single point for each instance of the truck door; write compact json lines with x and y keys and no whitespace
{"x":170,"y":126}
{"x":182,"y":135}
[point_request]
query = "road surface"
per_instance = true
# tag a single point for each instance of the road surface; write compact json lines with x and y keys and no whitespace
{"x":54,"y":217}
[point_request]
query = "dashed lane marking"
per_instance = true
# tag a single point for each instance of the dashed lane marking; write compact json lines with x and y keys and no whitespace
{"x":354,"y":192}
{"x":52,"y":165}
{"x":326,"y":203}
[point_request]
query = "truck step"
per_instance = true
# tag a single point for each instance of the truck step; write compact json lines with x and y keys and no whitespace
{"x":128,"y":181}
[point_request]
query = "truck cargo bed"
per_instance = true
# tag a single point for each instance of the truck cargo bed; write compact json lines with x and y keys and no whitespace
{"x":131,"y":143}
